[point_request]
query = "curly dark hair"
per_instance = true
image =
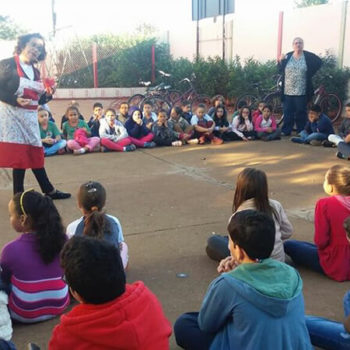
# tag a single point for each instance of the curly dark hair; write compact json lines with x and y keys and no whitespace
{"x":23,"y":40}
{"x":44,"y":220}
{"x":93,"y":268}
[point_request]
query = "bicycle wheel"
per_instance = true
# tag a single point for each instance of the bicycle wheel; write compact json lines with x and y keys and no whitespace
{"x":249,"y":100}
{"x":159,"y":104}
{"x":174,"y":95}
{"x":331,"y":105}
{"x":274,"y":100}
{"x":135,"y":100}
{"x":200,"y":99}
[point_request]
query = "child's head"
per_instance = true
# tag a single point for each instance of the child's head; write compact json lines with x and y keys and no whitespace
{"x":72,"y":114}
{"x":314,"y":113}
{"x":346,"y":225}
{"x":218,"y":100}
{"x":162,"y":116}
{"x":252,"y":235}
{"x":110,"y":116}
{"x":261,"y":105}
{"x":347,"y":110}
{"x":266,"y":111}
{"x":30,"y":211}
{"x":240,"y":105}
{"x":93,"y":270}
{"x":200,"y":111}
{"x":124,"y":108}
{"x":245,"y":114}
{"x":186,"y":106}
{"x":136,"y":115}
{"x":97,"y":109}
{"x":175,"y":113}
{"x":337,"y":180}
{"x":220,"y":112}
{"x":147,"y":107}
{"x":43,"y":116}
{"x":252,"y":184}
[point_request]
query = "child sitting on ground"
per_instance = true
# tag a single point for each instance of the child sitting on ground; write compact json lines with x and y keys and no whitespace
{"x":148,"y":117}
{"x":258,"y":111}
{"x":30,"y":263}
{"x":114,"y":136}
{"x":50,"y":135}
{"x":327,"y":334}
{"x":111,"y":314}
{"x":139,"y":134}
{"x":123,"y":112}
{"x":266,"y":126}
{"x":222,"y":128}
{"x":186,"y":111}
{"x":317,"y":129}
{"x":94,"y":122}
{"x":77,"y":134}
{"x":330,"y":254}
{"x":217,"y":100}
{"x":163,"y":135}
{"x":204,"y":127}
{"x":73,"y":103}
{"x":251,"y":298}
{"x":180,"y":126}
{"x":342,"y":140}
{"x":94,"y":222}
{"x":252,"y":193}
{"x":240,"y":105}
{"x":242,"y":125}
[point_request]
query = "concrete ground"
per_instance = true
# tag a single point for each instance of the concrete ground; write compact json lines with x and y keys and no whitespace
{"x":170,"y":200}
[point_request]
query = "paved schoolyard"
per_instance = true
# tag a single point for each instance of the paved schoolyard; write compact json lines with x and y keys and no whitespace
{"x":169,"y":200}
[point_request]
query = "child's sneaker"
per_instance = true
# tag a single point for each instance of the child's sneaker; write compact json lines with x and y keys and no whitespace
{"x":216,"y":141}
{"x":327,"y":143}
{"x":176,"y":143}
{"x":129,"y":148}
{"x":79,"y":151}
{"x":149,"y":144}
{"x":193,"y":141}
{"x":340,"y":155}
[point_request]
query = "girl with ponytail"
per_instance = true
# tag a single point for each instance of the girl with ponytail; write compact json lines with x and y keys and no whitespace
{"x":95,"y":222}
{"x":30,"y":263}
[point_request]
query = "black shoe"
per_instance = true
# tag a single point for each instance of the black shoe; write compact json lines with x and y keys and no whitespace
{"x":58,"y":195}
{"x":327,"y":143}
{"x":340,"y":155}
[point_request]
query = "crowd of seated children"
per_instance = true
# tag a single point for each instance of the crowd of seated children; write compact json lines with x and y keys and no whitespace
{"x":111,"y":314}
{"x":317,"y":128}
{"x":113,"y":134}
{"x":95,"y":222}
{"x":163,"y":134}
{"x":77,"y":133}
{"x":50,"y":135}
{"x":250,"y":298}
{"x":252,"y":193}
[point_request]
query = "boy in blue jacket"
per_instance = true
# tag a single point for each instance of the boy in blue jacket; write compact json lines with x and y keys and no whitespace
{"x":257,"y":304}
{"x":317,"y":129}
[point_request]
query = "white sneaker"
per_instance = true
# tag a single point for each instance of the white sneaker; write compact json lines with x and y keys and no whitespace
{"x":79,"y":151}
{"x":192,"y":141}
{"x":176,"y":143}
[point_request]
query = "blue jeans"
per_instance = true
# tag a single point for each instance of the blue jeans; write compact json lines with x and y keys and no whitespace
{"x":344,"y":149}
{"x":188,"y":335}
{"x":294,"y":110}
{"x":313,"y":136}
{"x":51,"y":150}
{"x":304,"y":254}
{"x":328,"y":334}
{"x":7,"y":345}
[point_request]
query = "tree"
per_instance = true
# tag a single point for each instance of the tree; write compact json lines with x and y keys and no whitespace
{"x":307,"y":3}
{"x":8,"y":29}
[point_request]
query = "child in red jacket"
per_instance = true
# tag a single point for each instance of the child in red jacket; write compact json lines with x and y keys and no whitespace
{"x":111,"y":314}
{"x":331,"y":252}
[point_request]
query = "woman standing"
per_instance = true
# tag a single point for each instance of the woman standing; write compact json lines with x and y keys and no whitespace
{"x":297,"y":69}
{"x":21,"y":91}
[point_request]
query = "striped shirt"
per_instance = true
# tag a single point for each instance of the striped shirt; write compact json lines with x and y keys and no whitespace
{"x":37,"y":292}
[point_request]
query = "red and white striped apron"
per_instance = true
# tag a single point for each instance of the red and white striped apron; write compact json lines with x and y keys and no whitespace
{"x":20,"y":142}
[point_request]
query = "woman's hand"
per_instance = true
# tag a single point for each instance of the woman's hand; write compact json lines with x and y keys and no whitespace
{"x":227,"y":264}
{"x":23,"y":101}
{"x":282,"y":57}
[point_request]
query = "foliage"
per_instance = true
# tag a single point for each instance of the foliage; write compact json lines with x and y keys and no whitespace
{"x":307,"y":3}
{"x":8,"y":29}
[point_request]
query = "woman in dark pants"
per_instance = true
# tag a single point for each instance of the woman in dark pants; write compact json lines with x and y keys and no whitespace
{"x":297,"y":68}
{"x":21,"y":91}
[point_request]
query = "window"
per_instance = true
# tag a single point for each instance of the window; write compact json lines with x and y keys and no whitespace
{"x":211,"y":8}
